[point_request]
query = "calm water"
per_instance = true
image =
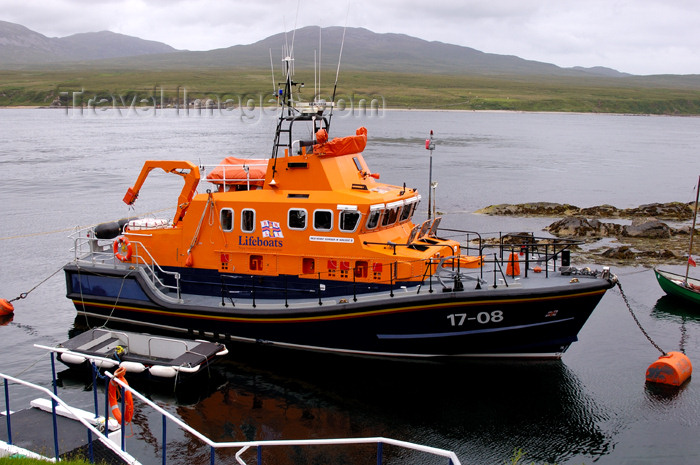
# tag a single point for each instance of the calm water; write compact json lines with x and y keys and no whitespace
{"x":61,"y":171}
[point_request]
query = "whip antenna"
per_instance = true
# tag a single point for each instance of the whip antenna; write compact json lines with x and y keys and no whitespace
{"x":337,"y":71}
{"x":272,"y":70}
{"x":320,"y":30}
{"x":291,"y":51}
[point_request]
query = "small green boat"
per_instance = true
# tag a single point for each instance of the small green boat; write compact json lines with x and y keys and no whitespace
{"x":681,"y":285}
{"x":676,"y":285}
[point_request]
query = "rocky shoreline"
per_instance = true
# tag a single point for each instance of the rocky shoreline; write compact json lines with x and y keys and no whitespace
{"x":645,"y":241}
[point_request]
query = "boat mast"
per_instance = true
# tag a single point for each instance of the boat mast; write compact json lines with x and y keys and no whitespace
{"x":692,"y":232}
{"x":284,"y":95}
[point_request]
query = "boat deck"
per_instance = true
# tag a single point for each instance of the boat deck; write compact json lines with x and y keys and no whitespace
{"x":431,"y":286}
{"x":477,"y":282}
{"x":145,"y":349}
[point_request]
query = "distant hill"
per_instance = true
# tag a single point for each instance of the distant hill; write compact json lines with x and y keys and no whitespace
{"x":363,"y":50}
{"x":21,"y":46}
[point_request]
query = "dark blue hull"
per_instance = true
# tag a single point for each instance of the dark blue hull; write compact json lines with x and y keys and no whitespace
{"x":473,"y":322}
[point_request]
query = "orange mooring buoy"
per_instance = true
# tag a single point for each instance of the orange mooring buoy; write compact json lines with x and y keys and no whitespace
{"x":673,"y":369}
{"x":6,"y":308}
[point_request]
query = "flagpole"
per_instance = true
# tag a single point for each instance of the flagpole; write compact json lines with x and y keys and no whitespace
{"x":430,"y":145}
{"x":692,"y":232}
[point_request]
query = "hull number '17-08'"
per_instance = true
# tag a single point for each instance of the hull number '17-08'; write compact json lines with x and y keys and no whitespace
{"x":458,"y":319}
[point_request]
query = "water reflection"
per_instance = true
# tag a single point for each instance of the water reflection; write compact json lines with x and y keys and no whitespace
{"x":679,"y":310}
{"x":6,"y":319}
{"x":482,"y":410}
{"x":663,"y":395}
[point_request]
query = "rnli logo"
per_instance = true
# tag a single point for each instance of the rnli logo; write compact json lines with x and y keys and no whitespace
{"x":271,"y":235}
{"x":271,"y":229}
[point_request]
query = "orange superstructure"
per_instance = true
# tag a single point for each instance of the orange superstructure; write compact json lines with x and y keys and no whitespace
{"x":319,"y":211}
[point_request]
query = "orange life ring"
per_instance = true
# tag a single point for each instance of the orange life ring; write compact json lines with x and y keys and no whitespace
{"x":114,"y":396}
{"x":123,"y":249}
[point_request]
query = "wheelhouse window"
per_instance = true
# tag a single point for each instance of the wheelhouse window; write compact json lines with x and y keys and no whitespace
{"x":375,"y":212}
{"x":349,"y":218}
{"x":391,"y":214}
{"x":226,"y":219}
{"x":323,"y":220}
{"x":248,"y":220}
{"x":358,"y":165}
{"x":296,"y":219}
{"x":409,"y":209}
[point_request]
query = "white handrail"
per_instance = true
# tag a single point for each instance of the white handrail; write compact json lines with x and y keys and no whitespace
{"x":244,"y":445}
{"x":100,"y":436}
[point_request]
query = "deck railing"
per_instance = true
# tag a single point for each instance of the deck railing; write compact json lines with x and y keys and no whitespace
{"x":92,"y":431}
{"x":242,"y":446}
{"x":90,"y":249}
{"x":533,"y":252}
{"x":152,"y":265}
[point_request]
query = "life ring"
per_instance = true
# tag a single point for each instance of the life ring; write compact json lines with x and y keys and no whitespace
{"x":123,"y":249}
{"x":115,"y":399}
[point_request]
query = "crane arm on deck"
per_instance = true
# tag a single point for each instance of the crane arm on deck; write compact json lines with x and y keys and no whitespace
{"x":186,"y":169}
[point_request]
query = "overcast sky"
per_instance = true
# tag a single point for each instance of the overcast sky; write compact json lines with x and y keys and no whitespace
{"x":634,"y":36}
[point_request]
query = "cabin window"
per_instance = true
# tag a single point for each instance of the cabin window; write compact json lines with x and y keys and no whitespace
{"x":406,"y":212}
{"x":390,"y":216}
{"x":323,"y":220}
{"x":248,"y":220}
{"x":349,"y":220}
{"x":409,"y":208}
{"x":226,"y":219}
{"x":296,"y":219}
{"x":358,"y":165}
{"x":375,"y":211}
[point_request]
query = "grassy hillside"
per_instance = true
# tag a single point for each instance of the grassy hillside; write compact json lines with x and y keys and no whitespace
{"x":672,"y":95}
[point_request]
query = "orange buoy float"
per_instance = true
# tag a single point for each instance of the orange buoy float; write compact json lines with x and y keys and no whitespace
{"x":123,"y":249}
{"x":513,"y":268}
{"x":673,"y":368}
{"x":6,"y":307}
{"x":114,"y":398}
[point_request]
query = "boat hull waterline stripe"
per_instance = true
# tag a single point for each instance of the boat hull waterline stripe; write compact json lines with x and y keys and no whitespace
{"x":336,"y":317}
{"x":466,"y":333}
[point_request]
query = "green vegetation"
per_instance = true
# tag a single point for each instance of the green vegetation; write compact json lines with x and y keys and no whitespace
{"x":663,"y":95}
{"x":27,"y":461}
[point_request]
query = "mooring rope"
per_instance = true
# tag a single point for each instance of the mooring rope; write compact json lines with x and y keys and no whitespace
{"x":24,"y":294}
{"x":634,"y":317}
